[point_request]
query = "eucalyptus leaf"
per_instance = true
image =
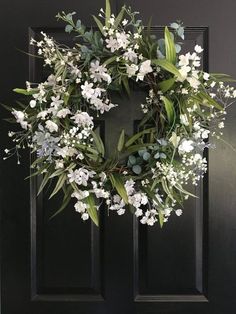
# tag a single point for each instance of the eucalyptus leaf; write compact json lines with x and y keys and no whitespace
{"x":146,"y":156}
{"x":136,"y":169}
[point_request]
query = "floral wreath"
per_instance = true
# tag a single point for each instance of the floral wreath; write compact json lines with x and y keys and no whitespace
{"x":149,"y":170}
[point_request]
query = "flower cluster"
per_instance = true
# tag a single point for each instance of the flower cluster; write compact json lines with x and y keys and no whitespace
{"x":150,"y":171}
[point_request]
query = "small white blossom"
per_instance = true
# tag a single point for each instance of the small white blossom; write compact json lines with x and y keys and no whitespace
{"x":198,"y":49}
{"x":51,"y":126}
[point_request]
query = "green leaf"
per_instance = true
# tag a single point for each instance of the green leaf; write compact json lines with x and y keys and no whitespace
{"x":146,"y":156}
{"x":99,"y":143}
{"x":138,"y":135}
{"x":78,"y":24}
{"x":99,"y":24}
{"x":92,"y":209}
{"x":110,"y":60}
{"x":24,"y":91}
{"x":126,"y":84}
{"x":119,"y":17}
{"x":166,"y":85}
{"x":161,"y":218}
{"x":206,"y":98}
{"x":61,"y":180}
{"x":121,"y":141}
{"x":168,"y":66}
{"x":44,"y":182}
{"x":221,"y":77}
{"x":118,"y":184}
{"x":137,"y":169}
{"x":170,"y":47}
{"x":65,"y":202}
{"x":68,"y":28}
{"x":132,"y":159}
{"x":135,"y":148}
{"x":169,"y":107}
{"x":181,"y":189}
{"x":107,"y":12}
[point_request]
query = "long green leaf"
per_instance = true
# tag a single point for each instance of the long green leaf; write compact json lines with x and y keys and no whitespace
{"x":168,"y":66}
{"x":110,"y":60}
{"x":65,"y":202}
{"x":119,"y":17}
{"x":138,"y":135}
{"x":118,"y":184}
{"x":44,"y":182}
{"x":99,"y":143}
{"x":170,"y":47}
{"x":161,"y":218}
{"x":99,"y":24}
{"x":107,"y":12}
{"x":60,"y":182}
{"x":125,"y":83}
{"x":91,"y":209}
{"x":121,"y":141}
{"x":135,"y":148}
{"x":166,"y":85}
{"x":169,"y":107}
{"x":211,"y":101}
{"x":24,"y":91}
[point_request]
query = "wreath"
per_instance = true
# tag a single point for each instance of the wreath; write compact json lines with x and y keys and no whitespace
{"x":150,"y":171}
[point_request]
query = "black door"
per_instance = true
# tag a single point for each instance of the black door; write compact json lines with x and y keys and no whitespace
{"x":65,"y":266}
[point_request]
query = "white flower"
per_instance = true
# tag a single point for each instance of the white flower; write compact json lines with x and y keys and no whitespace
{"x":205,"y":134}
{"x":186,"y":146}
{"x":80,"y":195}
{"x":112,"y":20}
{"x":124,"y":22}
{"x":99,"y":72}
{"x":179,"y":212}
{"x":184,"y":70}
{"x":138,"y":212}
{"x":121,"y":211}
{"x":63,"y":113}
{"x":85,"y":216}
{"x":174,"y":139}
{"x":184,"y":60}
{"x":196,"y":126}
{"x":20,"y":118}
{"x":56,"y":102}
{"x":184,"y":91}
{"x":101,"y":105}
{"x":80,"y":176}
{"x":112,"y":43}
{"x":184,"y":119}
{"x":129,"y":186}
{"x":32,"y":103}
{"x":51,"y":126}
{"x":194,"y":83}
{"x":131,"y":55}
{"x":83,"y":119}
{"x":198,"y":49}
{"x":80,"y":207}
{"x":42,"y":115}
{"x":131,"y":69}
{"x":122,"y":39}
{"x":59,"y":164}
{"x":145,"y":68}
{"x":221,"y":125}
{"x":206,"y":76}
{"x":87,"y":90}
{"x":66,"y":151}
{"x":167,"y":211}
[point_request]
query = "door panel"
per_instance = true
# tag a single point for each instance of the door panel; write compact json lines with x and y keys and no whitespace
{"x":67,"y":266}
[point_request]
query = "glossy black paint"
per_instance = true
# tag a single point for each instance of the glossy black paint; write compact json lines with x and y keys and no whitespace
{"x":66,"y":266}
